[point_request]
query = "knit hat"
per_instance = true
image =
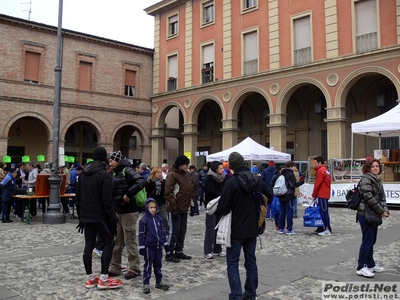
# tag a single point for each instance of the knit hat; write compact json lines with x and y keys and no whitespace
{"x":181,"y":160}
{"x":271,"y":163}
{"x":235,"y":161}
{"x":117,"y":156}
{"x":100,"y":153}
{"x":12,"y":170}
{"x":79,"y":167}
{"x":214,"y":165}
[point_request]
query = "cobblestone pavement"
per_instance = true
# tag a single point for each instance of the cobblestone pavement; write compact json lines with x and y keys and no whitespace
{"x":45,"y":262}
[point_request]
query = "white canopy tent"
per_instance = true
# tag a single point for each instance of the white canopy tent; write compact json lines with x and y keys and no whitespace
{"x":384,"y":125}
{"x":250,"y":150}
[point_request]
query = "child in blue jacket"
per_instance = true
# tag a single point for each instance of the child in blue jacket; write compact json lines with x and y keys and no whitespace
{"x":151,"y":240}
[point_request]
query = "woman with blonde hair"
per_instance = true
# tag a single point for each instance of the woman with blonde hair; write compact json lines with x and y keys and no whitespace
{"x":155,"y":189}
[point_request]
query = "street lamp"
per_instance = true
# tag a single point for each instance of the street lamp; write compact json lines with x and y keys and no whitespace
{"x":54,"y":214}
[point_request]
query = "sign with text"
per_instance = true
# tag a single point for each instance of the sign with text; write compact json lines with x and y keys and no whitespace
{"x":344,"y":170}
{"x":339,"y":191}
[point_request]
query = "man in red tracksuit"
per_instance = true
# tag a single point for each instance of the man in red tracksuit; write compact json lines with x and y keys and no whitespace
{"x":322,"y":191}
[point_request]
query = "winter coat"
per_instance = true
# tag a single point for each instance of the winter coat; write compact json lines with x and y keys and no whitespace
{"x":322,"y":184}
{"x":178,"y":190}
{"x":151,"y":190}
{"x":9,"y":188}
{"x":373,"y":194}
{"x":237,"y":198}
{"x":267,"y":174}
{"x":202,"y":177}
{"x":194,"y":178}
{"x":212,"y":188}
{"x":94,"y":190}
{"x":126,"y":182}
{"x":151,"y":229}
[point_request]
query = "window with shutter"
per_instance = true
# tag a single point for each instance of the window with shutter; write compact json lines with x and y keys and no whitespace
{"x":208,"y":12}
{"x":366,"y":26}
{"x":250,"y":65}
{"x":85,"y":76}
{"x":208,"y":63}
{"x":249,"y":4}
{"x":172,"y":72}
{"x":302,"y":40}
{"x":173,"y":25}
{"x":32,"y":64}
{"x":130,"y":83}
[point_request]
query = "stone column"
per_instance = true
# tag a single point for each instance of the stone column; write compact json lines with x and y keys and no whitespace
{"x":157,"y":146}
{"x":301,"y":148}
{"x":190,"y":141}
{"x":336,"y":131}
{"x":229,"y":133}
{"x":277,"y":131}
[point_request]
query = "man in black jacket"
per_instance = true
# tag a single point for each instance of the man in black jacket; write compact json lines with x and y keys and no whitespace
{"x":127,"y":183}
{"x":96,"y":212}
{"x":237,"y":198}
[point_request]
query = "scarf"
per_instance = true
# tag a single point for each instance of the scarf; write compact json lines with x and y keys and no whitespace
{"x":218,"y":177}
{"x":158,"y":186}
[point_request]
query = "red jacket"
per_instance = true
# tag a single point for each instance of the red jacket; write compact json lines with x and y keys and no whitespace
{"x":322,"y":184}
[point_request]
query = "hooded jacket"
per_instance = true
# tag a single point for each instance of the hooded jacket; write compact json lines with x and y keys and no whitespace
{"x":151,"y":229}
{"x":126,"y":182}
{"x":373,"y":194}
{"x":178,"y":190}
{"x":237,"y":198}
{"x":322,"y":184}
{"x":93,"y":199}
{"x":267,"y":174}
{"x":291,"y":184}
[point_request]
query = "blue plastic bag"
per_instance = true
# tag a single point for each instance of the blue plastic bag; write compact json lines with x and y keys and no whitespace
{"x":312,"y":216}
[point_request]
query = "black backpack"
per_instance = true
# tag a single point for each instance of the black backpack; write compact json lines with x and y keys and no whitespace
{"x":353,"y":198}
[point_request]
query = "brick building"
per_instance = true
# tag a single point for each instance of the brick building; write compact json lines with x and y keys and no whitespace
{"x":293,"y":75}
{"x":105,"y":93}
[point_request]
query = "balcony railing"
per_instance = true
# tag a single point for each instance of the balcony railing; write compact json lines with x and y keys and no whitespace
{"x":207,"y":74}
{"x":250,"y":67}
{"x":366,"y":42}
{"x":302,"y":56}
{"x":172,"y":83}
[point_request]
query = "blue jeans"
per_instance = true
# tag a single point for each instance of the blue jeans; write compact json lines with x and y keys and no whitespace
{"x":369,"y":234}
{"x":286,"y":211}
{"x":250,"y":264}
{"x":295,"y":207}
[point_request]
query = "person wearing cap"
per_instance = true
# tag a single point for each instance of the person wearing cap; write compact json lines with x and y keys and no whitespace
{"x":96,"y":213}
{"x":178,"y":195}
{"x":127,"y":183}
{"x":8,"y":190}
{"x":236,"y":197}
{"x":213,"y":187}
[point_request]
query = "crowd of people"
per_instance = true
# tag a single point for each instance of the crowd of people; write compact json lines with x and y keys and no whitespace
{"x":112,"y":221}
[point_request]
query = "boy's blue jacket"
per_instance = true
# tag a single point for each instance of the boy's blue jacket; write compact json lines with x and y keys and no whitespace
{"x":151,"y":229}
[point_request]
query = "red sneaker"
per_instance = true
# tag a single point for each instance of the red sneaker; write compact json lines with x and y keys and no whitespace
{"x":110,"y":283}
{"x":92,"y":283}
